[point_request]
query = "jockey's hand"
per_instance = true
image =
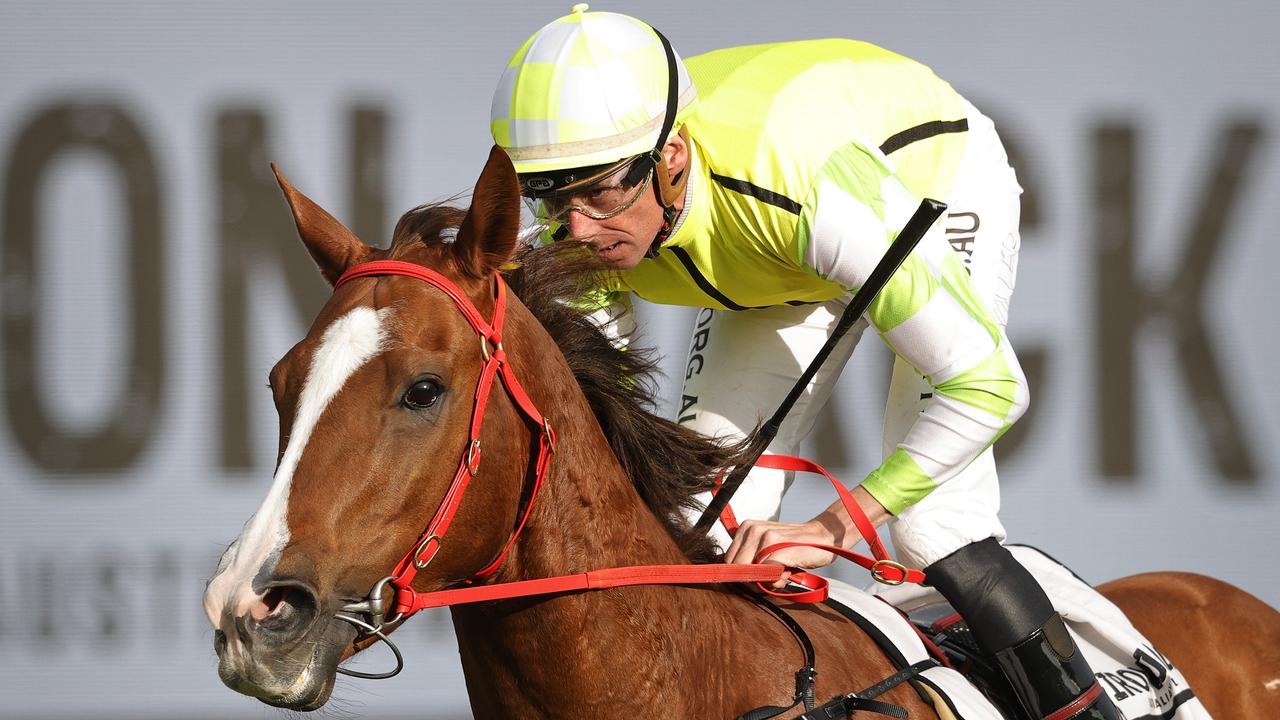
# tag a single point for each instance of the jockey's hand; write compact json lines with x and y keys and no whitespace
{"x":832,"y":526}
{"x":754,"y":535}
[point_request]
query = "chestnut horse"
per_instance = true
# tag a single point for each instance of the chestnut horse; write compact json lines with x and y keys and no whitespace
{"x":376,"y":406}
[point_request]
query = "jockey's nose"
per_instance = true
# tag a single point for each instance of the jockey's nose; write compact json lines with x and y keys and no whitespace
{"x":284,"y":614}
{"x":582,"y":227}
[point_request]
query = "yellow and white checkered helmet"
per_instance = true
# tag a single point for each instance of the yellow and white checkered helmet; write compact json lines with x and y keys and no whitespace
{"x":588,"y":89}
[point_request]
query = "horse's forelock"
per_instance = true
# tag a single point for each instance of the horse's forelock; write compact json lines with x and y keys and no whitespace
{"x":435,"y":224}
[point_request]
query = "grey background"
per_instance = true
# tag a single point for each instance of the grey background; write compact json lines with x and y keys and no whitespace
{"x":101,"y":569}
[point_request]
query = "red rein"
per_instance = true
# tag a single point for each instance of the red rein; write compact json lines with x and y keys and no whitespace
{"x":409,"y":601}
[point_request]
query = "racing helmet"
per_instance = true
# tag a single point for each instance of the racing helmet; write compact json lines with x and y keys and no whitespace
{"x":587,"y":94}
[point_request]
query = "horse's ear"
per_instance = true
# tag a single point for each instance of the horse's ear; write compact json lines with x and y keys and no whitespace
{"x":487,"y":237}
{"x":331,"y":244}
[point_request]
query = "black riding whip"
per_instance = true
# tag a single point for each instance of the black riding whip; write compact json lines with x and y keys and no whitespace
{"x":920,"y":222}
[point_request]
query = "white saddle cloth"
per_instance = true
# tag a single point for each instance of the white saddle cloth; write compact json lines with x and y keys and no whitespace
{"x":1142,"y":683}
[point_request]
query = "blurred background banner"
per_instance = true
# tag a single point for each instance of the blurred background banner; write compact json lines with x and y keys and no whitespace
{"x":150,"y":276}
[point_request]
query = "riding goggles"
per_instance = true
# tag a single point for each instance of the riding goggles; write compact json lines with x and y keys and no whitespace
{"x":612,"y":194}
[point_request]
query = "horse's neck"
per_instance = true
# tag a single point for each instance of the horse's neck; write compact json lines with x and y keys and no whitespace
{"x":616,"y":653}
{"x":677,"y":651}
{"x":588,"y":514}
{"x":622,"y":645}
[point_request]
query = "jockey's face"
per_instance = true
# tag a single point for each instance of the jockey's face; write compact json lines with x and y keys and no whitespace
{"x":622,"y":240}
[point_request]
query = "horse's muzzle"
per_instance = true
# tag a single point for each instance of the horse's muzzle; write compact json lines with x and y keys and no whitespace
{"x":279,"y":652}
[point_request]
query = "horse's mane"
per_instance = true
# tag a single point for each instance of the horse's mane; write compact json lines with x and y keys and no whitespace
{"x":668,"y":464}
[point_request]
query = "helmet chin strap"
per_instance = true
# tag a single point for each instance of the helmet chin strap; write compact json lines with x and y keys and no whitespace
{"x":666,"y":191}
{"x":668,"y":220}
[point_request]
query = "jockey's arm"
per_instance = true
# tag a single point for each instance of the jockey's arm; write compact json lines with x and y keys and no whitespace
{"x":930,"y":316}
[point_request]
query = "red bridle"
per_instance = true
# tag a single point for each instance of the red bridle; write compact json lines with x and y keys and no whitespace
{"x":407,"y":601}
{"x":495,"y":366}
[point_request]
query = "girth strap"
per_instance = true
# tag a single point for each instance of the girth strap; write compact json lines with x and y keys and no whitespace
{"x":842,"y":706}
{"x":805,"y":676}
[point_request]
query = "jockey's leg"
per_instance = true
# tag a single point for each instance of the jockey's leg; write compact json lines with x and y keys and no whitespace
{"x":955,"y":532}
{"x":741,"y":365}
{"x":1014,"y":624}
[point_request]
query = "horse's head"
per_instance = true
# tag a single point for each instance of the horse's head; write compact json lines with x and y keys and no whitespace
{"x":375,"y":406}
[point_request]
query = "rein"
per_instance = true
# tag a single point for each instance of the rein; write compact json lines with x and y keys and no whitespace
{"x":406,"y":601}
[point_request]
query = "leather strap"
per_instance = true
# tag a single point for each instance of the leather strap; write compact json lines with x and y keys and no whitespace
{"x":593,"y":580}
{"x":842,"y":706}
{"x":883,"y":568}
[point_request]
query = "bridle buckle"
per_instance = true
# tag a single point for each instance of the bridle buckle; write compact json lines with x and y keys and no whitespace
{"x":473,"y":457}
{"x":878,"y":572}
{"x":548,"y":433}
{"x":418,"y":561}
{"x":484,"y":347}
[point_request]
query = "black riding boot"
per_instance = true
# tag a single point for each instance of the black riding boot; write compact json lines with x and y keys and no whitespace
{"x":1016,"y":626}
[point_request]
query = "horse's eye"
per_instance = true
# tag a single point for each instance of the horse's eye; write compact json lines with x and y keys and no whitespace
{"x":422,"y":394}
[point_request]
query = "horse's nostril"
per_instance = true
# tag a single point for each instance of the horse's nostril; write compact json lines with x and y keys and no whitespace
{"x":269,"y":604}
{"x":284,"y":611}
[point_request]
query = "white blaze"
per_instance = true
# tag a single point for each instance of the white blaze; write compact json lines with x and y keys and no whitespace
{"x":349,"y":342}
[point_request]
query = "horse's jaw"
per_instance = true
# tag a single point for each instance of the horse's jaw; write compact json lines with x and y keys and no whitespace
{"x":297,"y":676}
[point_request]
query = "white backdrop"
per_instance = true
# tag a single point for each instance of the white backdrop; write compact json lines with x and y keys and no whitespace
{"x":102,"y":561}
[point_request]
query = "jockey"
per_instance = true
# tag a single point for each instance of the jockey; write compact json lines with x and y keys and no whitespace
{"x":763,"y":184}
